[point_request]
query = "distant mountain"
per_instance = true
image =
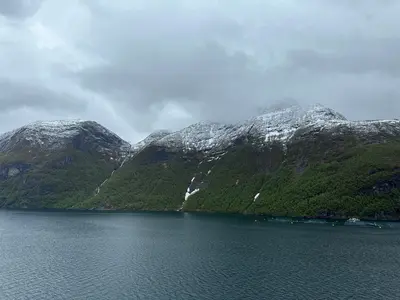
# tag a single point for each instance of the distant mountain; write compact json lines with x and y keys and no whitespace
{"x":286,"y":161}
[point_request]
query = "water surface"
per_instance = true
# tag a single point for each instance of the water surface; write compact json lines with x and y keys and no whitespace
{"x":55,"y":255}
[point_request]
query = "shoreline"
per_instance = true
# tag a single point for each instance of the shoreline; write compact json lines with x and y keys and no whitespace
{"x":208,"y":213}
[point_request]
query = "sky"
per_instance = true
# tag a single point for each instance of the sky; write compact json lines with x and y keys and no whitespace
{"x":139,"y":66}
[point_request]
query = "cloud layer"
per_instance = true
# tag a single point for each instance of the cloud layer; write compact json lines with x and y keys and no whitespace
{"x":145,"y":65}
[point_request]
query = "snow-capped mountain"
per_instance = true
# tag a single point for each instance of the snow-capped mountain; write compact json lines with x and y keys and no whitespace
{"x":155,"y":136}
{"x":200,"y":136}
{"x":53,"y":135}
{"x":81,"y":164}
{"x":278,"y":124}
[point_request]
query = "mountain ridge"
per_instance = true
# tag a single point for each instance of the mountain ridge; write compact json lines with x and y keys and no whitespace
{"x":278,"y":124}
{"x":288,"y":161}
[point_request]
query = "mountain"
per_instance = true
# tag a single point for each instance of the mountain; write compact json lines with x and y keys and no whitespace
{"x":278,"y":125}
{"x":55,"y":135}
{"x":57,"y":163}
{"x":286,"y":161}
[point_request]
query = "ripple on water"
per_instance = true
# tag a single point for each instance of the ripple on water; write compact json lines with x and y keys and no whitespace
{"x":156,"y":256}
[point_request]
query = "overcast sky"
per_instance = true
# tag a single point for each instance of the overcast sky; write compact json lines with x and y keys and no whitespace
{"x":138,"y":66}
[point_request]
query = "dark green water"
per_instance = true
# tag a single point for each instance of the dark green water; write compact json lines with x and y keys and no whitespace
{"x":54,"y":255}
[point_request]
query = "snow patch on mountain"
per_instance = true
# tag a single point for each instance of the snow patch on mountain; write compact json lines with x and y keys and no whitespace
{"x":256,"y":197}
{"x":189,"y":192}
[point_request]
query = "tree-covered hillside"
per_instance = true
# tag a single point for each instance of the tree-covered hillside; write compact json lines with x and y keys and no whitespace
{"x":287,"y":162}
{"x":51,"y":180}
{"x":327,"y":176}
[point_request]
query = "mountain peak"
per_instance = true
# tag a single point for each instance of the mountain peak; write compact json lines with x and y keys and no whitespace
{"x":51,"y":135}
{"x":151,"y":138}
{"x":319,"y":113}
{"x":57,"y":123}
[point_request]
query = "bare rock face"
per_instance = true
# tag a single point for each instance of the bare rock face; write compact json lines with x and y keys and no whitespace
{"x":12,"y":170}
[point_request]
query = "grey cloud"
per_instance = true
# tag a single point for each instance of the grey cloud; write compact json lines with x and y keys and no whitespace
{"x":162,"y":57}
{"x":19,"y":8}
{"x":360,"y":56}
{"x":205,"y":74}
{"x":163,"y":53}
{"x":205,"y":60}
{"x":16,"y":94}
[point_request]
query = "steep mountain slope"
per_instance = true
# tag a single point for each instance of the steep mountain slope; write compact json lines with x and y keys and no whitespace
{"x":56,"y":164}
{"x":288,"y":161}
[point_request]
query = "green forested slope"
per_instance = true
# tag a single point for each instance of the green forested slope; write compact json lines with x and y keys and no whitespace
{"x":153,"y":180}
{"x":51,"y":179}
{"x":361,"y":180}
{"x":326,"y":175}
{"x":319,"y":172}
